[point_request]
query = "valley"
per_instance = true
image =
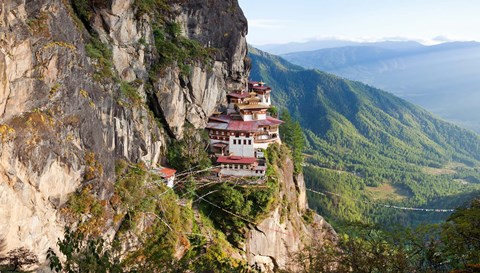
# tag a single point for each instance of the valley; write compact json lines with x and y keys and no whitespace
{"x":367,"y":144}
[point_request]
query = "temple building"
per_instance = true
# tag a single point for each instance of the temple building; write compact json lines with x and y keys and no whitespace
{"x":239,"y":137}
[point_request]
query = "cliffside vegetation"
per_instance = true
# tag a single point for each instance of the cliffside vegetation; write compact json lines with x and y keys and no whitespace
{"x":196,"y":226}
{"x":367,"y":145}
{"x":450,"y":247}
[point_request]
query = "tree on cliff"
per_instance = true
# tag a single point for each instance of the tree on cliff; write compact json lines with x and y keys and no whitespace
{"x":190,"y":151}
{"x":291,"y":133}
{"x":16,"y":259}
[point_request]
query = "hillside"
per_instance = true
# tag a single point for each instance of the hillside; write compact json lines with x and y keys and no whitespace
{"x":371,"y":138}
{"x":441,"y":78}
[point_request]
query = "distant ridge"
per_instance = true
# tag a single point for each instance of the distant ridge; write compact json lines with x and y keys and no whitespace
{"x":443,"y":78}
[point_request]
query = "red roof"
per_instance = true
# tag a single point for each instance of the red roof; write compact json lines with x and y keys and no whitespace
{"x":166,"y":172}
{"x":231,"y":124}
{"x":269,"y":121}
{"x":239,"y":95}
{"x":245,"y":126}
{"x":261,"y":88}
{"x":221,"y":118}
{"x":236,"y":160}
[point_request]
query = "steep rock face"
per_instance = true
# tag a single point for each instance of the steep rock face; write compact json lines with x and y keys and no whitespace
{"x":61,"y":129}
{"x":216,"y":24}
{"x":56,"y":117}
{"x":192,"y":98}
{"x":284,"y":231}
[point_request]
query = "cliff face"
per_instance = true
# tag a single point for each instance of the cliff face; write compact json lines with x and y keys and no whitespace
{"x":62,"y":126}
{"x":79,"y":91}
{"x":286,"y":231}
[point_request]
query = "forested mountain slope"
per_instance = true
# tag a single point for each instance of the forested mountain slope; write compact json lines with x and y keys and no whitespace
{"x":373,"y":138}
{"x":442,"y":78}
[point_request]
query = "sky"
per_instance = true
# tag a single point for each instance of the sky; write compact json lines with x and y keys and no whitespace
{"x":426,"y":21}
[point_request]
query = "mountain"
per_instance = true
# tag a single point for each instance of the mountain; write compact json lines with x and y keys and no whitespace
{"x":441,"y":78}
{"x":323,"y":44}
{"x":375,"y":145}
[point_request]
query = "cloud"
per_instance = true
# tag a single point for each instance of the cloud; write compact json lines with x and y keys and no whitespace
{"x":267,"y":23}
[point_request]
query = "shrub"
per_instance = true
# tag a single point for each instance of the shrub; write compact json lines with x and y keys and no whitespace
{"x":102,"y":55}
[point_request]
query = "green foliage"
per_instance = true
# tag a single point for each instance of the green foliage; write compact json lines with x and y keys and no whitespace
{"x":231,"y":199}
{"x":450,"y":247}
{"x":308,"y":216}
{"x":247,"y":204}
{"x":213,"y":260}
{"x":84,"y":255}
{"x":189,"y":152}
{"x":371,"y":138}
{"x":130,"y":91}
{"x":142,"y":196}
{"x":102,"y":56}
{"x":273,"y":111}
{"x":83,"y":9}
{"x":461,"y":234}
{"x":154,"y":7}
{"x":291,"y":133}
{"x":173,"y":48}
{"x":334,"y":207}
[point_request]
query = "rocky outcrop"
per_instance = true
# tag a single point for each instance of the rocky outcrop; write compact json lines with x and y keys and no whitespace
{"x":62,"y":127}
{"x":285,"y":231}
{"x":219,"y":25}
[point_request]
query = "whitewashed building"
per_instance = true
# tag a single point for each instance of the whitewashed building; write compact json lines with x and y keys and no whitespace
{"x":239,"y":137}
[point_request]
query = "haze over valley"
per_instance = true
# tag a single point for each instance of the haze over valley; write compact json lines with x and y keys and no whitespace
{"x":443,"y":78}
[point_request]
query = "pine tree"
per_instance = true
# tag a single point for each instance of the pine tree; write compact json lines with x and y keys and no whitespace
{"x":291,"y":133}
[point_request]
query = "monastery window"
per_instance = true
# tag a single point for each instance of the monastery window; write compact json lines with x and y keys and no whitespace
{"x":234,"y":142}
{"x":249,"y":142}
{"x":223,"y":133}
{"x":244,"y":142}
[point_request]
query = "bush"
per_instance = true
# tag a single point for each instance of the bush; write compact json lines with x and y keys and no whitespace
{"x":102,"y":55}
{"x":129,"y":91}
{"x":189,"y":152}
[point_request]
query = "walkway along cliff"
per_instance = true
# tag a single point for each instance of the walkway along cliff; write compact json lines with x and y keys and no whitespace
{"x":92,"y":94}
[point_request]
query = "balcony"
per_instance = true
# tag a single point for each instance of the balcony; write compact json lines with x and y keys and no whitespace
{"x":266,"y":138}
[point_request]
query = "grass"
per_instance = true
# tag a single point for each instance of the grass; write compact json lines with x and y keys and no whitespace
{"x":438,"y":171}
{"x":388,"y":192}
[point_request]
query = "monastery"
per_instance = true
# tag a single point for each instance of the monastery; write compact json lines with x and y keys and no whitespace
{"x":239,"y":137}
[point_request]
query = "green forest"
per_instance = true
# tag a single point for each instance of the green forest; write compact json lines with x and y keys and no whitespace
{"x":372,"y":148}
